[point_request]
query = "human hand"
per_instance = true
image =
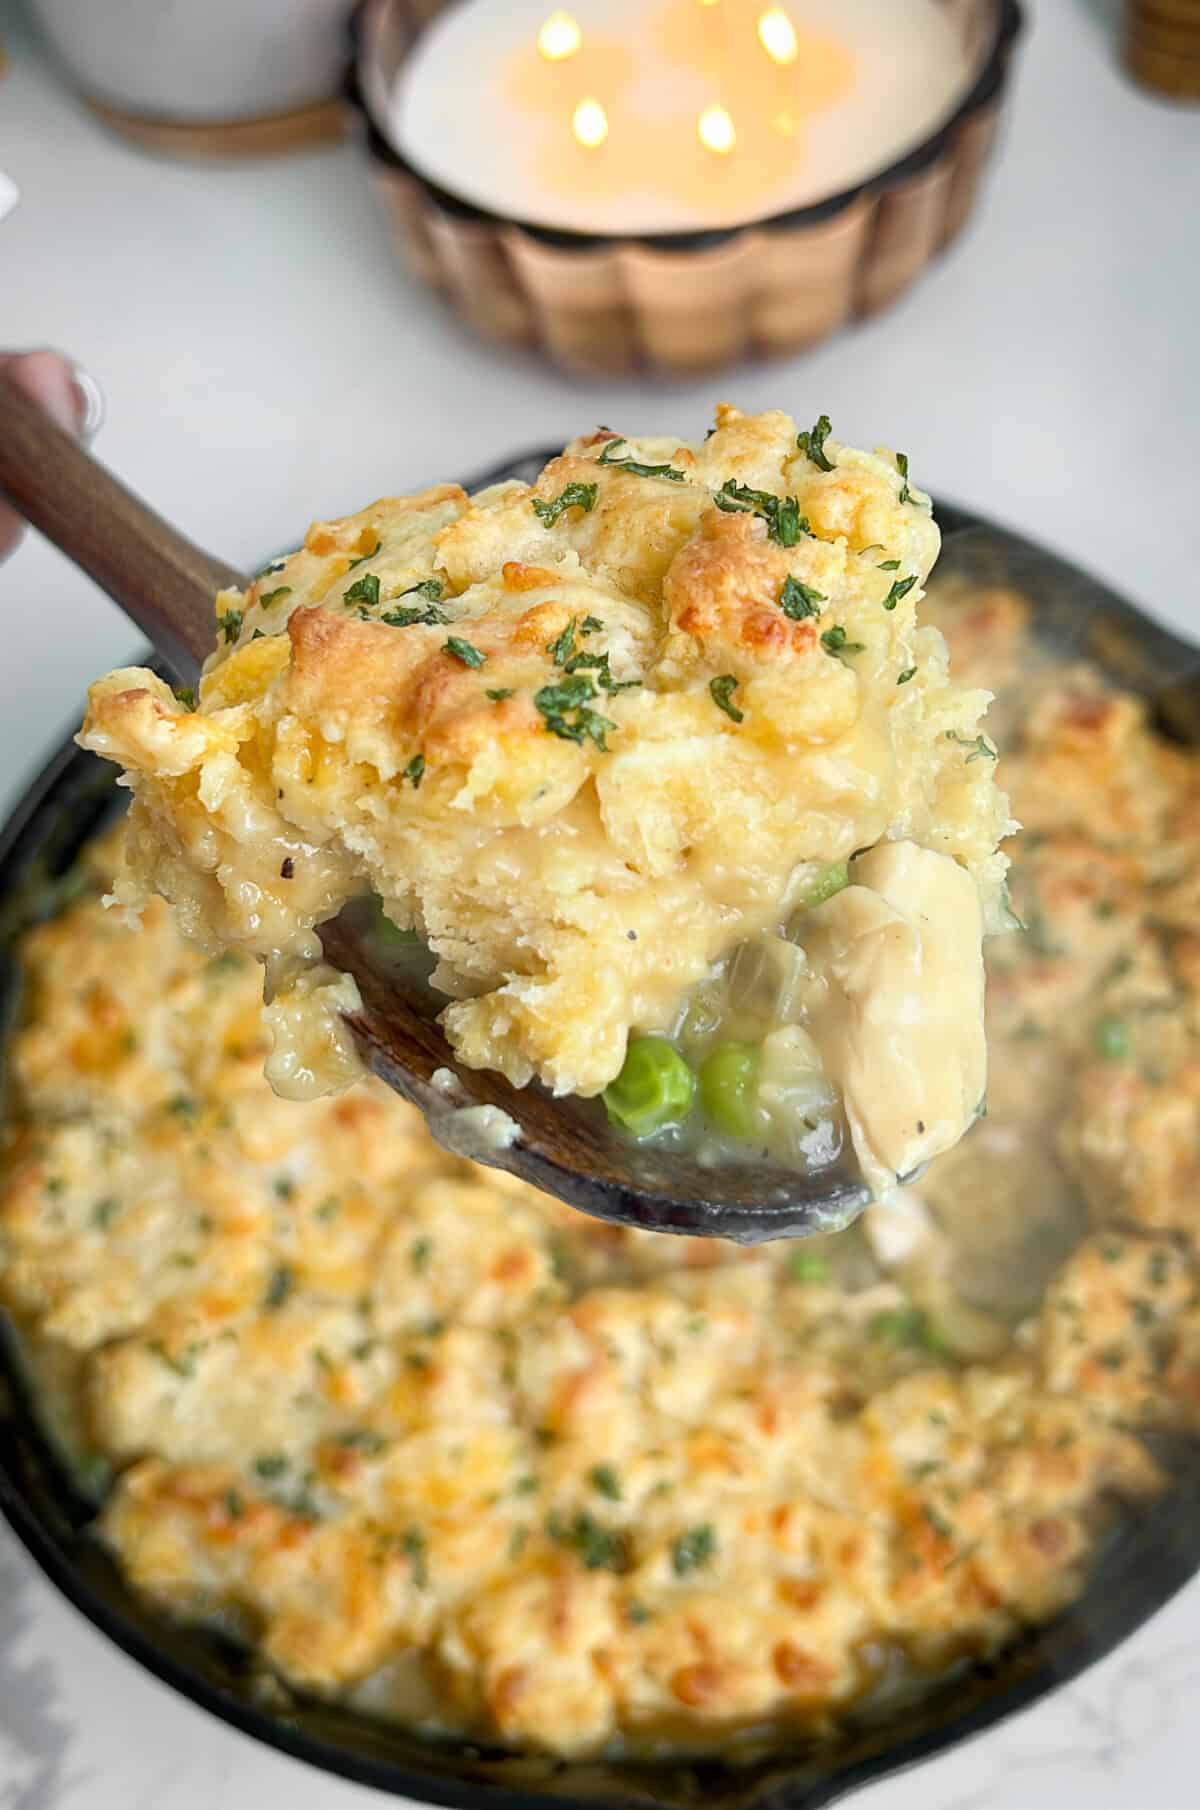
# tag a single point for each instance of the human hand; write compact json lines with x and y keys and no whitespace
{"x":70,"y":398}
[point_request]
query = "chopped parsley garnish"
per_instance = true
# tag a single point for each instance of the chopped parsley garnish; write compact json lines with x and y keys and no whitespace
{"x":563,"y":646}
{"x":284,"y":1187}
{"x":785,"y":524}
{"x":1111,"y":1038}
{"x":363,"y":557}
{"x":603,"y":1478}
{"x":498,"y":696}
{"x":1158,"y":1268}
{"x":271,"y":1464}
{"x":575,"y":496}
{"x":834,"y":642}
{"x":597,"y":1547}
{"x":721,"y":691}
{"x":812,"y":444}
{"x":276,"y":565}
{"x":419,"y":1253}
{"x":268,"y":597}
{"x":363,"y":590}
{"x":187,"y":697}
{"x":363,"y":1439}
{"x":900,"y":588}
{"x":889,"y":565}
{"x":906,"y":495}
{"x":565,"y":709}
{"x":104,"y":1209}
{"x":636,"y":470}
{"x":415,"y":770}
{"x":691,"y":1550}
{"x":938,"y":1524}
{"x":431,"y":590}
{"x":410,"y":617}
{"x":598,"y":663}
{"x":463,"y":650}
{"x":302,"y":1506}
{"x":412,"y":1542}
{"x":982,"y":748}
{"x":279,"y":1287}
{"x":589,"y":625}
{"x":183,"y":1106}
{"x":183,"y":1363}
{"x":808,"y":1266}
{"x":798,"y":600}
{"x":563,"y":652}
{"x":235,"y":1508}
{"x":910,"y":672}
{"x":230,"y":624}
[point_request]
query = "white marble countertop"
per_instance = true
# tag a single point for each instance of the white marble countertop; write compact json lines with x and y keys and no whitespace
{"x":265,"y":362}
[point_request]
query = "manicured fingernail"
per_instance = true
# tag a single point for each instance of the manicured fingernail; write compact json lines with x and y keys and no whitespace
{"x":92,"y":397}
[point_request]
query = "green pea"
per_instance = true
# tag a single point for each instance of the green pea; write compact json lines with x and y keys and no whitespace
{"x":728,"y":1084}
{"x":807,"y":1266}
{"x":383,"y":928}
{"x":908,"y":1325}
{"x":1111,"y":1037}
{"x":655,"y":1088}
{"x":830,"y":880}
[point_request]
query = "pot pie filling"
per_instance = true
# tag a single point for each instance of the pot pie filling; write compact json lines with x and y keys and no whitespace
{"x":655,"y":757}
{"x":435,"y":1444}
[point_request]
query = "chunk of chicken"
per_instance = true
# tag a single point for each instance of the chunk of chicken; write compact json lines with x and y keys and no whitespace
{"x":898,"y":1013}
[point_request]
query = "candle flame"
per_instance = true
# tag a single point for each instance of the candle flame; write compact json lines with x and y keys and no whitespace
{"x":777,"y":35}
{"x":559,"y":38}
{"x":590,"y":124}
{"x":716,"y":131}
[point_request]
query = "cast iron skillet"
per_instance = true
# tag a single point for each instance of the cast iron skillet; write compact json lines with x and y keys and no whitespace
{"x":1143,"y":1562}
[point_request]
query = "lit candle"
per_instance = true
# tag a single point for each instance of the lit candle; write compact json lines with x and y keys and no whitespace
{"x":636,"y":116}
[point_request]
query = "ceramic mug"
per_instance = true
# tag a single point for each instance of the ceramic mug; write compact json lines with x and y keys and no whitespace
{"x":199,"y":62}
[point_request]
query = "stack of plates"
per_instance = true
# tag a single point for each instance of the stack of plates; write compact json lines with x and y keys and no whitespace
{"x":1162,"y":46}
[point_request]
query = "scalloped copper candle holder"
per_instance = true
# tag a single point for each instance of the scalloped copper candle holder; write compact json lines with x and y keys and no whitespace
{"x":689,"y":302}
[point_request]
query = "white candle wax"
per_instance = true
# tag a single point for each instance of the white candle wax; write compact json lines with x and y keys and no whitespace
{"x":644,"y":116}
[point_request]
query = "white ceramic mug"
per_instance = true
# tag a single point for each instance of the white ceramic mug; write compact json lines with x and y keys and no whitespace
{"x":196,"y":61}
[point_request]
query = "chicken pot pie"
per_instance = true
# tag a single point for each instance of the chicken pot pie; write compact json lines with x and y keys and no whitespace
{"x":437,"y":1446}
{"x":653,"y":748}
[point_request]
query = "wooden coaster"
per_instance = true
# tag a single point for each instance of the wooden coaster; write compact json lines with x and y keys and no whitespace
{"x":1163,"y":71}
{"x":270,"y":136}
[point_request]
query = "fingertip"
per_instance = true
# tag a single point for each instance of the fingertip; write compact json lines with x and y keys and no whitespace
{"x":70,"y":395}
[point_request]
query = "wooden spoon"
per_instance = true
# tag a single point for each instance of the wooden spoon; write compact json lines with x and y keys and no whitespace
{"x":566,"y":1146}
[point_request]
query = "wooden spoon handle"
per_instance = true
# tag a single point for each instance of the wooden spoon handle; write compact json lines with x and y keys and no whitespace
{"x":160,"y":580}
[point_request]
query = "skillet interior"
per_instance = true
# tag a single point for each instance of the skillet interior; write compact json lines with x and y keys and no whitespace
{"x":1142,"y":1563}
